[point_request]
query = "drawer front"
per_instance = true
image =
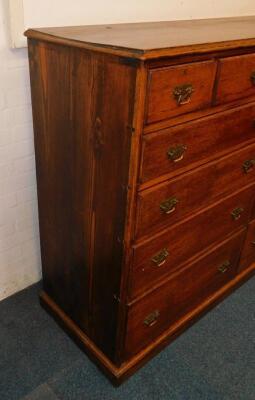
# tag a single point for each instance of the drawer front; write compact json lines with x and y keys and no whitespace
{"x":154,"y":313}
{"x":236,"y":78}
{"x":179,"y":89}
{"x":158,"y":257}
{"x":171,"y":150}
{"x":164,"y":205}
{"x":248,"y":252}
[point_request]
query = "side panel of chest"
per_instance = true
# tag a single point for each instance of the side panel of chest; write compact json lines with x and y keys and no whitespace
{"x":83,"y":110}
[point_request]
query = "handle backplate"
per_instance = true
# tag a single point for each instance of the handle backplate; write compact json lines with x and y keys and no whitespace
{"x":151,"y":319}
{"x":224,"y":266}
{"x":168,"y":206}
{"x":236,"y":213}
{"x":160,"y":258}
{"x":248,"y":165}
{"x":183,"y":93}
{"x":176,"y":153}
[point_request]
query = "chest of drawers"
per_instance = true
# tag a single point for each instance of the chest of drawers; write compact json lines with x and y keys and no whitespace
{"x":145,"y":159}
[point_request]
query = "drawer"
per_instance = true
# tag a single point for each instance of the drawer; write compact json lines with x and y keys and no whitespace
{"x":159,"y":256}
{"x":179,"y":89}
{"x":163,"y":205}
{"x":248,"y":252}
{"x":236,"y":78}
{"x":156,"y":312}
{"x":174,"y":149}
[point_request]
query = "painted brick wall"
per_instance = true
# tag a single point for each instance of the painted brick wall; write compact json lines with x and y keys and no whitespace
{"x":19,"y":236}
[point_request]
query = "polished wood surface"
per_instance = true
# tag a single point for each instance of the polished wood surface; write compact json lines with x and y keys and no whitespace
{"x":155,"y":39}
{"x":145,"y":163}
{"x":204,"y":139}
{"x":81,"y":230}
{"x":183,"y":292}
{"x":162,"y":84}
{"x":236,"y":78}
{"x":119,"y":374}
{"x":248,"y":252}
{"x":184,"y":240}
{"x":192,"y":191}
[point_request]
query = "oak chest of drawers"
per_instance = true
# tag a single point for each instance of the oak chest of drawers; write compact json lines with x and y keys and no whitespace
{"x":145,"y":157}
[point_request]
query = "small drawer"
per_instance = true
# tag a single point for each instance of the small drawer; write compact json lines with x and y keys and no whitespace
{"x":156,"y":258}
{"x":248,"y":252}
{"x":179,"y":89}
{"x":157,"y":311}
{"x":171,"y":150}
{"x":163,"y":205}
{"x":236,"y":78}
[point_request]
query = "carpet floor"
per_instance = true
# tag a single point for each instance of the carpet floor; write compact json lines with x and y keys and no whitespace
{"x":213,"y":360}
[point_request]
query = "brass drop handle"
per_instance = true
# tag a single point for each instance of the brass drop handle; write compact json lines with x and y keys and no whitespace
{"x":224,"y":267}
{"x":168,"y":206}
{"x":160,"y":258}
{"x":151,"y":319}
{"x":236,"y":213}
{"x":176,"y":153}
{"x":248,"y":165}
{"x":182,"y":94}
{"x":253,"y":78}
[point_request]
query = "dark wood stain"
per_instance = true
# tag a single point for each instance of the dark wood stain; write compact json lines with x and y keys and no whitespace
{"x":182,"y":293}
{"x":248,"y":252}
{"x":193,"y":191}
{"x":163,"y":82}
{"x":204,"y":139}
{"x":187,"y":238}
{"x":120,"y":275}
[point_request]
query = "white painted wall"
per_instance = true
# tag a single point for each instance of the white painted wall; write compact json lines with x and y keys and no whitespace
{"x":66,"y":12}
{"x":19,"y":243}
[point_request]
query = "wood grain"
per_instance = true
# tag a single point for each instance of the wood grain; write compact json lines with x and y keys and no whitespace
{"x":81,"y":139}
{"x":203,"y":138}
{"x":119,"y":374}
{"x":235,"y":78}
{"x":104,"y":118}
{"x":186,"y":239}
{"x":182,"y":293}
{"x":193,"y":191}
{"x":156,"y":39}
{"x":162,"y":83}
{"x":248,"y":251}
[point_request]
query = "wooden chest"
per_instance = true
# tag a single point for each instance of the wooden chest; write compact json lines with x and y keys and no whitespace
{"x":145,"y":157}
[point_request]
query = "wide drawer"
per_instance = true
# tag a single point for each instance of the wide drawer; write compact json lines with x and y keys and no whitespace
{"x":179,"y":89}
{"x":171,"y":150}
{"x":236,"y":78}
{"x":156,"y":312}
{"x":156,"y":258}
{"x":163,"y":205}
{"x":248,"y":252}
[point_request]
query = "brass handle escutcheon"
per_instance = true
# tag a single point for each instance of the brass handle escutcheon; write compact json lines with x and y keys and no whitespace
{"x":253,"y":78}
{"x":160,"y":258}
{"x":176,"y":153}
{"x":236,"y":213}
{"x":224,"y":267}
{"x":168,"y":206}
{"x":183,"y":93}
{"x":248,"y":165}
{"x":152,"y":318}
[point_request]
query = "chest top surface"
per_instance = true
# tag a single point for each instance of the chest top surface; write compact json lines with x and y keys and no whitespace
{"x":154,"y":39}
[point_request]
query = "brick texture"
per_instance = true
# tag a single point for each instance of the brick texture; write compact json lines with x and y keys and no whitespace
{"x":19,"y":234}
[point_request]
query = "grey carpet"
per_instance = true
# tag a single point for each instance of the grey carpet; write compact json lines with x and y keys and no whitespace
{"x":214,"y":360}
